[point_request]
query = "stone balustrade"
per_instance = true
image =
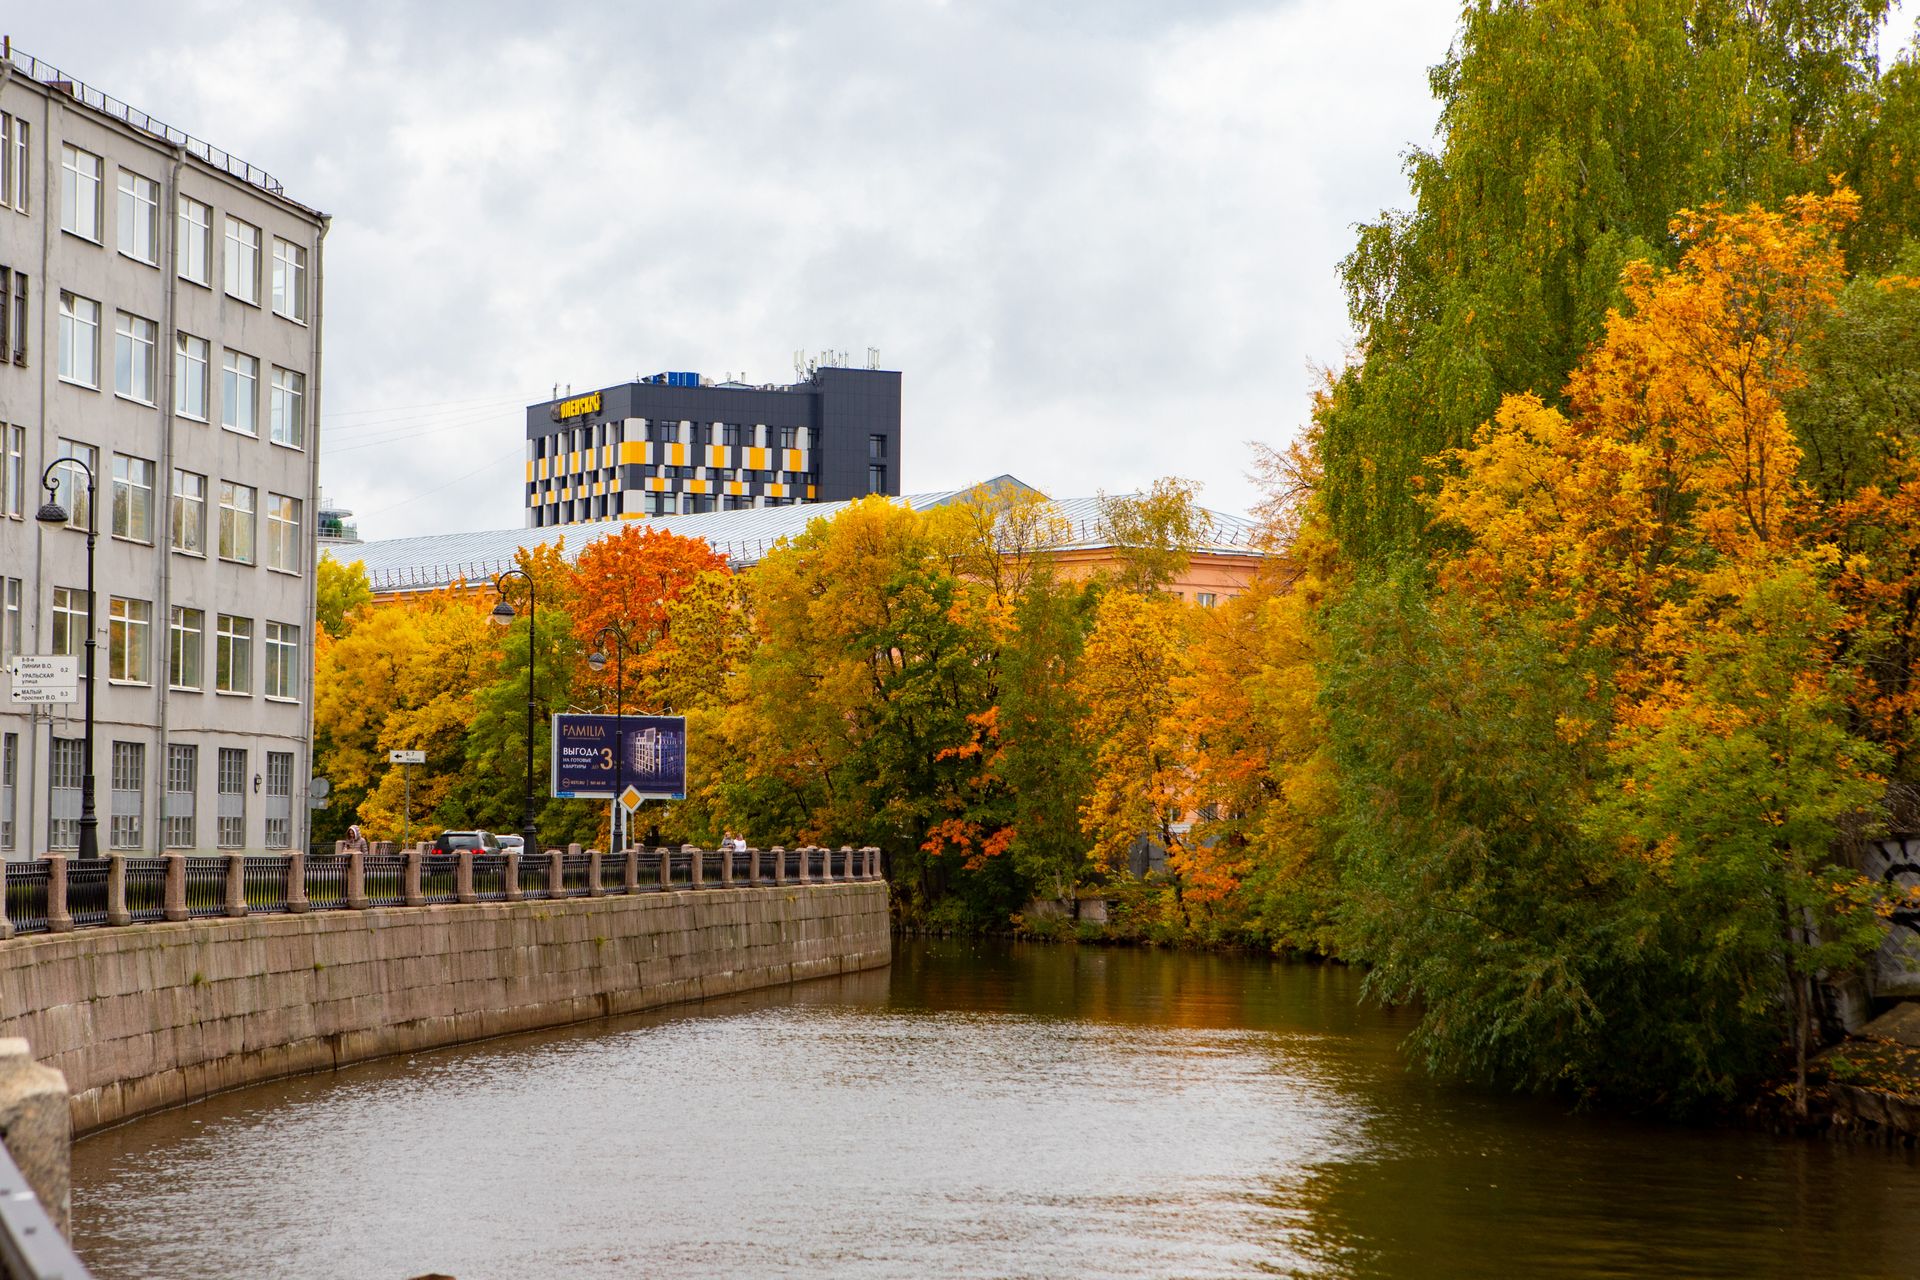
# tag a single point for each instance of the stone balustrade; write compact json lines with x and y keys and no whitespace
{"x":56,"y":894}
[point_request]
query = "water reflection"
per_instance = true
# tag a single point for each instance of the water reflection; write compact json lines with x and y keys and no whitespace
{"x":979,"y":1110}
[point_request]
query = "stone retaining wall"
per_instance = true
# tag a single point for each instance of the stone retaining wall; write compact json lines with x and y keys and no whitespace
{"x":154,"y":1016}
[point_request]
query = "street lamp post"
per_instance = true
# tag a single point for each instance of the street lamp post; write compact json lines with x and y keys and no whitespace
{"x":616,"y":830}
{"x":503,"y":615}
{"x":51,"y":512}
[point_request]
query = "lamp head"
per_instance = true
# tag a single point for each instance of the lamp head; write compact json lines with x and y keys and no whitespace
{"x":51,"y":512}
{"x":597,"y":660}
{"x":502,"y":614}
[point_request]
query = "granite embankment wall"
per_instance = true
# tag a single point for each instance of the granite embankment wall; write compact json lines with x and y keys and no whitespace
{"x":157,"y":1015}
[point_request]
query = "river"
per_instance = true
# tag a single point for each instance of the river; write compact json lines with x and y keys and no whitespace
{"x":980,"y":1109}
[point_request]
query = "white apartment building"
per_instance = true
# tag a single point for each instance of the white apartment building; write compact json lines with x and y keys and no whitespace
{"x":161,"y":323}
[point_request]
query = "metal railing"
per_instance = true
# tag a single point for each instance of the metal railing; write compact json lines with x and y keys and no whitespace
{"x":31,"y":1246}
{"x":57,"y":893}
{"x":54,"y":78}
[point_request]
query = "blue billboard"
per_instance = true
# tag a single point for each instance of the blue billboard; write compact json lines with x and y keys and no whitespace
{"x":594,"y":757}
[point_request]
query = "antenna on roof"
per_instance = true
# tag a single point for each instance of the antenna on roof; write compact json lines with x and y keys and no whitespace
{"x":873,"y":357}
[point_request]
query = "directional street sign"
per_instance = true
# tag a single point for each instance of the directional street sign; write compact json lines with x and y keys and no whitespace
{"x":43,"y":678}
{"x":630,"y":799}
{"x":406,"y":757}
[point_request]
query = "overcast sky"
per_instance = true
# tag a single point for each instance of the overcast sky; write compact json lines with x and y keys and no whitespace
{"x":1099,"y":238}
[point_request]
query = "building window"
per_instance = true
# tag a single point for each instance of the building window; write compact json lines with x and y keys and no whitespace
{"x":236,"y":521}
{"x":183,"y":768}
{"x":13,"y":315}
{"x":289,"y":280}
{"x":190,"y":376}
{"x":13,"y":470}
{"x":140,"y":218}
{"x":662,"y":432}
{"x":787,"y":435}
{"x":283,"y":533}
{"x":79,"y":340}
{"x":12,"y":617}
{"x":80,"y":192}
{"x":876,"y":477}
{"x":876,"y":448}
{"x":287,"y":411}
{"x":196,"y":241}
{"x":9,"y":784}
{"x":233,"y":654}
{"x":243,"y":261}
{"x":186,"y":635}
{"x":132,"y":498}
{"x":1205,"y":599}
{"x":63,"y":792}
{"x":733,"y":435}
{"x":129,"y":639}
{"x":230,"y":820}
{"x":279,"y":799}
{"x":69,"y":621}
{"x":189,"y":512}
{"x":283,"y":660}
{"x":70,"y":487}
{"x":240,"y":393}
{"x":129,"y":778}
{"x":133,"y":343}
{"x":16,"y":171}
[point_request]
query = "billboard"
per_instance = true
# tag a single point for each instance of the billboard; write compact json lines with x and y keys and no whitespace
{"x":594,"y":756}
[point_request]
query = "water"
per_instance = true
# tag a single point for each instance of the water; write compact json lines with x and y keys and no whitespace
{"x":978,"y":1110}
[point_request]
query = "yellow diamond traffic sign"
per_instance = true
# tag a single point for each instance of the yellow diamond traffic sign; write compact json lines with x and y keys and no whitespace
{"x":630,"y":799}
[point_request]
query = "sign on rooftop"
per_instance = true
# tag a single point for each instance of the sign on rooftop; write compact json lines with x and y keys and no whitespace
{"x":43,"y":678}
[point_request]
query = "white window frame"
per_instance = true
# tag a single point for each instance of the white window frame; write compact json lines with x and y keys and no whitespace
{"x":67,"y":631}
{"x":13,"y":616}
{"x":283,"y":534}
{"x":189,"y":514}
{"x":232,"y":652}
{"x":290,"y":280}
{"x":15,"y":170}
{"x":79,"y":337}
{"x":68,"y":489}
{"x":191,"y":356}
{"x":195,"y":232}
{"x":13,"y":470}
{"x":282,"y":675}
{"x":129,"y":640}
{"x":240,"y":388}
{"x":127,"y":789}
{"x":186,"y":648}
{"x":241,"y":277}
{"x":183,"y":773}
{"x":287,"y":409}
{"x":238,"y":522}
{"x":139,"y":222}
{"x":132,"y":480}
{"x":135,"y":339}
{"x":80,"y":176}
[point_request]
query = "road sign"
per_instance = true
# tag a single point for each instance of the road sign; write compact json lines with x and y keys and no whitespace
{"x":43,"y":678}
{"x":630,"y":798}
{"x":406,"y":757}
{"x":594,"y":755}
{"x":320,"y":788}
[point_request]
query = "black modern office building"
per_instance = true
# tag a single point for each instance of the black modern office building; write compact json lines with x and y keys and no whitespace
{"x":677,"y":443}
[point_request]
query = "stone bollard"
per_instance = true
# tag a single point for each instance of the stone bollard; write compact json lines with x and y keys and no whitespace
{"x":175,"y":894}
{"x":726,"y":864}
{"x":753,"y":865}
{"x":666,"y":867}
{"x":873,"y":862}
{"x":806,"y":856}
{"x":297,"y":903}
{"x":698,"y":869}
{"x":36,"y":1127}
{"x":779,"y":864}
{"x":413,"y":892}
{"x":556,"y":873}
{"x":356,"y":880}
{"x":236,"y":884}
{"x":58,"y":920}
{"x":594,"y":887}
{"x":6,"y":925}
{"x":117,"y":912}
{"x":513,"y":877}
{"x":630,"y":877}
{"x":463,"y":877}
{"x":846,"y":862}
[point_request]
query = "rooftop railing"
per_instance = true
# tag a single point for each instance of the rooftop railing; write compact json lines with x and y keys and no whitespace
{"x":56,"y":79}
{"x":56,"y":894}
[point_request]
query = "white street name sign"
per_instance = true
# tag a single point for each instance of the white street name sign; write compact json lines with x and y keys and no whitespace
{"x":406,"y":757}
{"x":43,"y":678}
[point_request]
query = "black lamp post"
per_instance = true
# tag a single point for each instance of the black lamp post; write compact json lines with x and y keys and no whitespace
{"x":51,"y":512}
{"x":616,"y":830}
{"x":503,"y":615}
